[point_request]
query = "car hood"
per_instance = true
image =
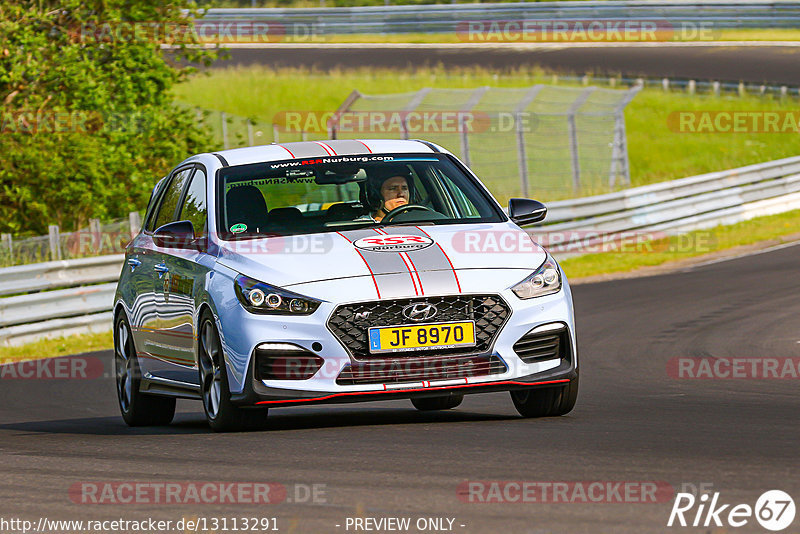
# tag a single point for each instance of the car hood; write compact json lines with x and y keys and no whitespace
{"x":425,"y":258}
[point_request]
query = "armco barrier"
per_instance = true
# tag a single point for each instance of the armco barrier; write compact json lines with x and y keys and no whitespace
{"x":450,"y":18}
{"x":79,"y":293}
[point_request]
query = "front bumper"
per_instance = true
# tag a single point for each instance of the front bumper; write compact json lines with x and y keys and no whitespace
{"x":243,"y":332}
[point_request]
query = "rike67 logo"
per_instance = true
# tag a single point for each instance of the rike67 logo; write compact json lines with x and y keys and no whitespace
{"x":774,"y":510}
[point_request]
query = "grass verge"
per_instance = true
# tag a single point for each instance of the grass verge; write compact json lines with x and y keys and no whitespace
{"x":51,"y":348}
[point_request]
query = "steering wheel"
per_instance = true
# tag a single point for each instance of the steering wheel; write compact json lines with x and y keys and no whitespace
{"x":402,"y":209}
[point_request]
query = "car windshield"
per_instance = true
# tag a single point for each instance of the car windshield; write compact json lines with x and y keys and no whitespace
{"x":303,"y":196}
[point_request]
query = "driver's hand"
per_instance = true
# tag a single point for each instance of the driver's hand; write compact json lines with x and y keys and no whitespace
{"x":394,"y":203}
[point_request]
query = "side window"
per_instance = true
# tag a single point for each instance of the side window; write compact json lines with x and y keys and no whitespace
{"x":194,"y":205}
{"x":465,"y":207}
{"x":171,"y":197}
{"x":150,"y":217}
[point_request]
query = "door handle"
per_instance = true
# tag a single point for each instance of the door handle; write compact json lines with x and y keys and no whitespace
{"x":161,"y":269}
{"x":133,"y":263}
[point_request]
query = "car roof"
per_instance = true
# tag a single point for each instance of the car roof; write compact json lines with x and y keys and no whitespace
{"x":327,"y":148}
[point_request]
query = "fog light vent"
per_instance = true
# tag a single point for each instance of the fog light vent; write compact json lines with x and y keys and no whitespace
{"x":282,"y":361}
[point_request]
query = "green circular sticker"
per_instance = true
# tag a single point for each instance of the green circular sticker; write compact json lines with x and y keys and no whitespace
{"x":238,"y":228}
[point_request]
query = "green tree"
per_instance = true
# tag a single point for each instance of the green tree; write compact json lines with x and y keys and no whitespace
{"x":87,"y":123}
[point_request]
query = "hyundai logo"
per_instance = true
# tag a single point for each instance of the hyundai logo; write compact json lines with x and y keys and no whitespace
{"x":420,"y":312}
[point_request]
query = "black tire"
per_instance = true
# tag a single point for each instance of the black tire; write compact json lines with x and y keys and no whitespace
{"x":426,"y":404}
{"x":137,"y":408}
{"x":546,"y":402}
{"x":222,"y":415}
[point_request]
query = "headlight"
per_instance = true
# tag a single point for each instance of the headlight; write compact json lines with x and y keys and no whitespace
{"x":546,"y":280}
{"x":258,"y":297}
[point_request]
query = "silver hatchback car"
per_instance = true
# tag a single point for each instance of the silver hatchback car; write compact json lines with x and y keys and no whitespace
{"x":337,"y":271}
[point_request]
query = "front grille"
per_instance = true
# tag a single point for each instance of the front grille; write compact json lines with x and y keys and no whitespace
{"x":489,"y":312}
{"x":540,"y":346}
{"x":399,"y":370}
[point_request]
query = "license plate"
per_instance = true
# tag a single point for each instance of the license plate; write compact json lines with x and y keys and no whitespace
{"x":422,"y":336}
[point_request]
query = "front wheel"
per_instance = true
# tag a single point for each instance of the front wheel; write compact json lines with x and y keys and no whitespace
{"x":426,"y":404}
{"x":137,"y":408}
{"x":222,"y":415}
{"x":546,"y":402}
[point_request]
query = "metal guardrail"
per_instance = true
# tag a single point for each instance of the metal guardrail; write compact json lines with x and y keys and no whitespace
{"x":81,"y":291}
{"x":57,"y":298}
{"x":444,"y":18}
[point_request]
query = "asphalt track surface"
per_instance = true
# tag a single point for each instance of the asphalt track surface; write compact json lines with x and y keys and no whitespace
{"x":753,"y":64}
{"x":633,"y":422}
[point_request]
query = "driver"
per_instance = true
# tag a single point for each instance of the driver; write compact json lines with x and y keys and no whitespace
{"x":389,"y":192}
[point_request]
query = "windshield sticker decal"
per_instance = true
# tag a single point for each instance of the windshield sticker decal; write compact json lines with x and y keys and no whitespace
{"x":238,"y":228}
{"x":272,"y":181}
{"x":340,"y":159}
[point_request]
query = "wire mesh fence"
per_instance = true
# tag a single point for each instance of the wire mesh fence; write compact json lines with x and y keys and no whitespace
{"x":544,"y":141}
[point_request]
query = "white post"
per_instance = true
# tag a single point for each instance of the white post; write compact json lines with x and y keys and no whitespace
{"x":250,"y":139}
{"x":55,"y":242}
{"x":94,"y":230}
{"x":8,"y":242}
{"x":135,"y":222}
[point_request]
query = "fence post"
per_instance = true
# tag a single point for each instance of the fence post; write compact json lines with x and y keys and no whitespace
{"x":665,"y":84}
{"x":474,"y":98}
{"x":522,"y":155}
{"x":135,"y":222}
{"x":715,"y":85}
{"x":462,"y":127}
{"x":55,"y":242}
{"x":94,"y":231}
{"x":8,"y":241}
{"x":692,"y":87}
{"x":411,"y":106}
{"x":573,"y":136}
{"x":224,"y":119}
{"x":250,"y":138}
{"x":619,"y":150}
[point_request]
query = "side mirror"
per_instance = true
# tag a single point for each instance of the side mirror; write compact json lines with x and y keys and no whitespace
{"x":178,"y":234}
{"x":526,"y":211}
